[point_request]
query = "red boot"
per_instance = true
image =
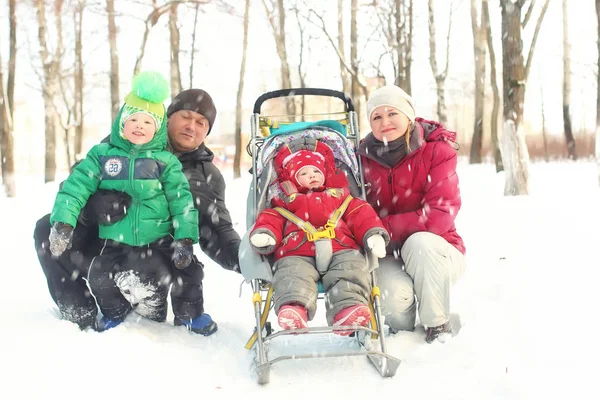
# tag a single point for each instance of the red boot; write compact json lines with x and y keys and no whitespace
{"x":292,"y":317}
{"x":358,"y":315}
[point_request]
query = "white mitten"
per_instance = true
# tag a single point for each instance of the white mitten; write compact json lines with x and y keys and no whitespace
{"x":262,"y":240}
{"x":376,"y":244}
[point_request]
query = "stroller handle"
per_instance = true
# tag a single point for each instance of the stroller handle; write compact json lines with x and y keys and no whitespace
{"x":302,"y":92}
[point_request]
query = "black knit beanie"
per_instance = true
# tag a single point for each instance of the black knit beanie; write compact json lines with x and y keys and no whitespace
{"x":196,"y":100}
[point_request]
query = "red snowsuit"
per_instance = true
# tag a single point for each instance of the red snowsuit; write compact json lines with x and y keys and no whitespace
{"x":345,"y":276}
{"x":358,"y":222}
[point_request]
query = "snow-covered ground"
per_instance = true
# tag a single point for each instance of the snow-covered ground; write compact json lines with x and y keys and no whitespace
{"x":528,"y":304}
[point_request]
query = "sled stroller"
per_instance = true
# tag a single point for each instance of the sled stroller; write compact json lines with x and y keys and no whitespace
{"x":268,"y":136}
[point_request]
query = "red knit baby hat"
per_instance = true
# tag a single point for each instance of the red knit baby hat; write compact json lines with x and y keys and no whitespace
{"x":302,"y":158}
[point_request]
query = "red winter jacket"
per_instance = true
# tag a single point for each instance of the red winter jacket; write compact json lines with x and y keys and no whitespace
{"x":357,"y":224}
{"x":420,"y":193}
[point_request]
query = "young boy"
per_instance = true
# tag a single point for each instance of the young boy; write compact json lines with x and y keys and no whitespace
{"x":162,"y":217}
{"x":312,"y":193}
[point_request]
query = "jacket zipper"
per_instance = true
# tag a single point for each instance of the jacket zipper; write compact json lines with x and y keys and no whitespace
{"x":134,"y":222}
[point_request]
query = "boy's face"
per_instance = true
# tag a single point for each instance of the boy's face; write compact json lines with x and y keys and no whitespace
{"x":139,"y":128}
{"x":310,"y":177}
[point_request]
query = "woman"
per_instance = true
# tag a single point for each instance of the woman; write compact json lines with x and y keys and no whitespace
{"x":410,"y":166}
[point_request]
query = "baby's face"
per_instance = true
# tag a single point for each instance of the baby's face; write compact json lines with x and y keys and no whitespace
{"x":310,"y":177}
{"x":139,"y":128}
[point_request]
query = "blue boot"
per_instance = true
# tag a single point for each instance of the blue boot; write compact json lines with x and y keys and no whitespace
{"x":105,"y":324}
{"x":203,"y":324}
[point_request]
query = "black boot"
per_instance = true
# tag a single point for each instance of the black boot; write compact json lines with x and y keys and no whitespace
{"x":439,"y":333}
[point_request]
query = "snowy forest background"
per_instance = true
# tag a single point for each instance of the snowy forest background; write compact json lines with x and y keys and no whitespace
{"x":525,"y":117}
{"x":517,"y":79}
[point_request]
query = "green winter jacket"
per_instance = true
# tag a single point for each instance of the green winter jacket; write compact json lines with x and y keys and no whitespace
{"x":161,"y":198}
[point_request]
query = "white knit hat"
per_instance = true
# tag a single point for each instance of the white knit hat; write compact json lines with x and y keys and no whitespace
{"x":392,"y":96}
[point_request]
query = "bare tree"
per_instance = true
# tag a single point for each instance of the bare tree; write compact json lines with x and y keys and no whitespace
{"x":78,"y":77}
{"x":115,"y":99}
{"x":439,"y":76}
{"x":347,"y":66}
{"x":240,"y":92}
{"x":193,"y":51}
{"x":174,"y":35}
{"x":12,"y":56}
{"x":7,"y":105}
{"x":544,"y":136}
{"x":515,"y":71}
{"x":238,"y":109}
{"x":357,"y":85}
{"x":567,"y":86}
{"x":495,"y":89}
{"x":354,"y":88}
{"x":151,"y":21}
{"x":50,"y":65}
{"x":480,"y":52}
{"x":597,"y":133}
{"x":302,"y":45}
{"x":396,"y":25}
{"x":276,"y":16}
{"x":341,"y":48}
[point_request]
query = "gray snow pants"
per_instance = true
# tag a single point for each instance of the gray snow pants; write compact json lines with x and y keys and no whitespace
{"x":346,"y":282}
{"x":428,"y":268}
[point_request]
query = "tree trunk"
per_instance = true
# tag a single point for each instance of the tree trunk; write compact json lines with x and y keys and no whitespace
{"x":115,"y":99}
{"x":479,"y":50}
{"x":6,"y":141}
{"x":193,"y":52}
{"x":280,"y":44}
{"x":597,"y":133}
{"x":7,"y":105}
{"x":301,"y":74}
{"x":567,"y":86}
{"x":514,"y":150}
{"x":151,"y":21}
{"x":238,"y":109}
{"x":355,"y":87}
{"x":401,"y":34}
{"x":174,"y":35}
{"x":439,"y":76}
{"x":50,"y":64}
{"x":12,"y":56}
{"x":341,"y":48}
{"x":78,"y":77}
{"x":495,"y":89}
{"x":544,"y":136}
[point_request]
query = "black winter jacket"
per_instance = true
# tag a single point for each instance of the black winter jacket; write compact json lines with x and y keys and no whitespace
{"x":218,"y":239}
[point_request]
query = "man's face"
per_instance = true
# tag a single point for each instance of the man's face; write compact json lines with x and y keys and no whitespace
{"x":187,"y":130}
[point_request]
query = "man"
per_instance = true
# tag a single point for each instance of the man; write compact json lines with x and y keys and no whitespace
{"x":191,"y":117}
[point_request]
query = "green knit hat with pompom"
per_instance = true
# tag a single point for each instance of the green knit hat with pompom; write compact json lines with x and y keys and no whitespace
{"x":149,"y":91}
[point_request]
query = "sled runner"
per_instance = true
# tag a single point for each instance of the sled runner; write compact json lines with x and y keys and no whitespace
{"x":268,"y":136}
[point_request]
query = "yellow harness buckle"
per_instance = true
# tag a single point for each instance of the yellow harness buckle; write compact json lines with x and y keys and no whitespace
{"x":328,"y":232}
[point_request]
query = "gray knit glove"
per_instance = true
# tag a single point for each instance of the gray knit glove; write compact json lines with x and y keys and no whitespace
{"x":61,"y":236}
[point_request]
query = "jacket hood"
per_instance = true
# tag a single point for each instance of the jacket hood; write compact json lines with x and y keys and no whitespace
{"x":158,"y":142}
{"x":434,"y":131}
